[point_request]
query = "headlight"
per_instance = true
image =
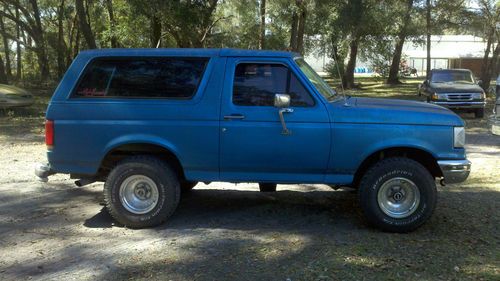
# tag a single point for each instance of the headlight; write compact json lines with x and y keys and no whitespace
{"x":458,"y":137}
{"x":478,"y":96}
{"x":438,"y":96}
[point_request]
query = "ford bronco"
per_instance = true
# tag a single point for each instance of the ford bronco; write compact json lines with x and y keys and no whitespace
{"x":151,"y":123}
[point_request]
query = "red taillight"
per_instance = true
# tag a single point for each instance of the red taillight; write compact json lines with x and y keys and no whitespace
{"x":49,"y":133}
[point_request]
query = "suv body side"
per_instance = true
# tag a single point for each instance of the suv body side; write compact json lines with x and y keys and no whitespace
{"x":87,"y":129}
{"x":330,"y":141}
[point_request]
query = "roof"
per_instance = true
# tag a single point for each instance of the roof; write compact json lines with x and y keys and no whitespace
{"x":188,"y":52}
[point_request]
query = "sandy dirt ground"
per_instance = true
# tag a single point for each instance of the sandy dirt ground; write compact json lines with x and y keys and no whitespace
{"x":55,"y":231}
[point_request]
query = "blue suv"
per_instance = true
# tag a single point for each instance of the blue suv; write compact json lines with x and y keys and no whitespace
{"x":151,"y":123}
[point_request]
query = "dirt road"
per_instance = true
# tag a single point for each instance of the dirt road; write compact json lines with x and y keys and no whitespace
{"x":55,"y":231}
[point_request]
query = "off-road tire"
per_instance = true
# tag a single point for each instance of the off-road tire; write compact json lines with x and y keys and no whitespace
{"x":164,"y":178}
{"x":385,"y":170}
{"x":267,"y":187}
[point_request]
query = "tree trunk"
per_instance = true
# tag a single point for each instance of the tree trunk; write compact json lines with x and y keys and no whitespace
{"x":262,"y":28}
{"x":85,"y":25}
{"x":301,"y":26}
{"x":348,"y":78}
{"x":155,"y":31}
{"x":489,"y":65}
{"x":6,"y":48}
{"x":41,"y":50}
{"x":428,"y":23}
{"x":485,"y":75}
{"x":19,"y":63}
{"x":60,"y":41}
{"x":396,"y":58}
{"x":3,"y":75}
{"x":112,"y":24}
{"x":293,"y":31}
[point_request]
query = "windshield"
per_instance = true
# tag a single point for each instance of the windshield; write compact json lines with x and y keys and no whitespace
{"x":316,"y":80}
{"x":452,"y":76}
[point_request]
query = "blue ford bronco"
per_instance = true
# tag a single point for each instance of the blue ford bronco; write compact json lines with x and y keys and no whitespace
{"x":151,"y":123}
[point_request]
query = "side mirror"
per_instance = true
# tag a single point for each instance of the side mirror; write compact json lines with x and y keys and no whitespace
{"x":281,"y":100}
{"x":480,"y":82}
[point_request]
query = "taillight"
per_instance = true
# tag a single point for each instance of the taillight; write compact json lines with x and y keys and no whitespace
{"x":49,"y":133}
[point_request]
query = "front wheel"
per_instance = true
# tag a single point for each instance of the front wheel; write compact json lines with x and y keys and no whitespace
{"x":397,"y":195}
{"x":141,"y":191}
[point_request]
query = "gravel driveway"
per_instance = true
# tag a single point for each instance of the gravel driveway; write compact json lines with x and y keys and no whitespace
{"x":55,"y":231}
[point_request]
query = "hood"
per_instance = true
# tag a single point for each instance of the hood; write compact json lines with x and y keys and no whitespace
{"x":391,"y":111}
{"x":455,"y":88}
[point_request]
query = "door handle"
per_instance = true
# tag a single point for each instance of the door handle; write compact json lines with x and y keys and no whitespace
{"x":234,"y":117}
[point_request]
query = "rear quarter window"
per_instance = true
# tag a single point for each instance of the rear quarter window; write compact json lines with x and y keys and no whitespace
{"x":170,"y":78}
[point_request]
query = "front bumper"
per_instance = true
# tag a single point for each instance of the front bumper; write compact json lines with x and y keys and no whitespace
{"x":455,"y":171}
{"x":461,"y":104}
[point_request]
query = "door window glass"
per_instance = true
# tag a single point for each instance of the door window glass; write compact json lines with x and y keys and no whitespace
{"x":255,"y":84}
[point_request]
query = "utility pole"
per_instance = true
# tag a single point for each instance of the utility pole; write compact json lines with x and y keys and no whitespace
{"x":428,"y":70}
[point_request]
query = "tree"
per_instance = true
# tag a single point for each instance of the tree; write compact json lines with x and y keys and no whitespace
{"x":85,"y":25}
{"x":489,"y":18}
{"x":112,"y":24}
{"x":297,"y":26}
{"x":30,"y":22}
{"x":403,"y":32}
{"x":262,"y":27}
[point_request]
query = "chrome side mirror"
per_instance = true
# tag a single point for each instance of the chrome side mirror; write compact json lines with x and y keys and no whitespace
{"x":281,"y":100}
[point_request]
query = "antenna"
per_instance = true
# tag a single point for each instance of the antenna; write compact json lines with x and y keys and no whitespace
{"x":340,"y":76}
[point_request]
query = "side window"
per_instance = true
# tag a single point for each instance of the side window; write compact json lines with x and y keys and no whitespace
{"x":141,"y":78}
{"x":255,"y":84}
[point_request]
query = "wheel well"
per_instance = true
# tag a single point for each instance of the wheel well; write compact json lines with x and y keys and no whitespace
{"x":121,"y":152}
{"x":421,"y":156}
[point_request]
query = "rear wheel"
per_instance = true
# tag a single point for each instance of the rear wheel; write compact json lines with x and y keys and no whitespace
{"x":479,"y":113}
{"x":397,"y":195}
{"x":267,"y":187}
{"x":141,"y":191}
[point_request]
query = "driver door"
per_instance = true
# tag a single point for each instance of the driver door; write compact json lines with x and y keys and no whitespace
{"x":253,"y":145}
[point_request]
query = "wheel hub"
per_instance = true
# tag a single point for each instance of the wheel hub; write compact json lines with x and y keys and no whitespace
{"x":138,"y":194}
{"x":398,"y":197}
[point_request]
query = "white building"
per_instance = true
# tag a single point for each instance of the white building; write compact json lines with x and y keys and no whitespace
{"x":447,"y":51}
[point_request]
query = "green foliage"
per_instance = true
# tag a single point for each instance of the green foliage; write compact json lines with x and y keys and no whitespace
{"x":330,"y":27}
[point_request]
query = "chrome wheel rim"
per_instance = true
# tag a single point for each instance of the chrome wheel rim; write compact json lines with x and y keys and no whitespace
{"x":398,"y":198}
{"x":139,"y":194}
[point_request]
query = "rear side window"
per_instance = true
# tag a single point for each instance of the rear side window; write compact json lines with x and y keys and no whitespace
{"x":255,"y":84}
{"x":175,"y":78}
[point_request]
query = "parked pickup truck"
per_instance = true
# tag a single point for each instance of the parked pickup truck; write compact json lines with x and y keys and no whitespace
{"x":455,"y":89}
{"x":151,"y":123}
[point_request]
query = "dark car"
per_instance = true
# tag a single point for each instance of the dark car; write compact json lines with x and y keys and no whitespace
{"x":454,"y":89}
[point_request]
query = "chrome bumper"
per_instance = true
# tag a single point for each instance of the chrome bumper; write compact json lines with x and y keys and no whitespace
{"x":461,"y":104}
{"x":43,"y":171}
{"x":455,"y":171}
